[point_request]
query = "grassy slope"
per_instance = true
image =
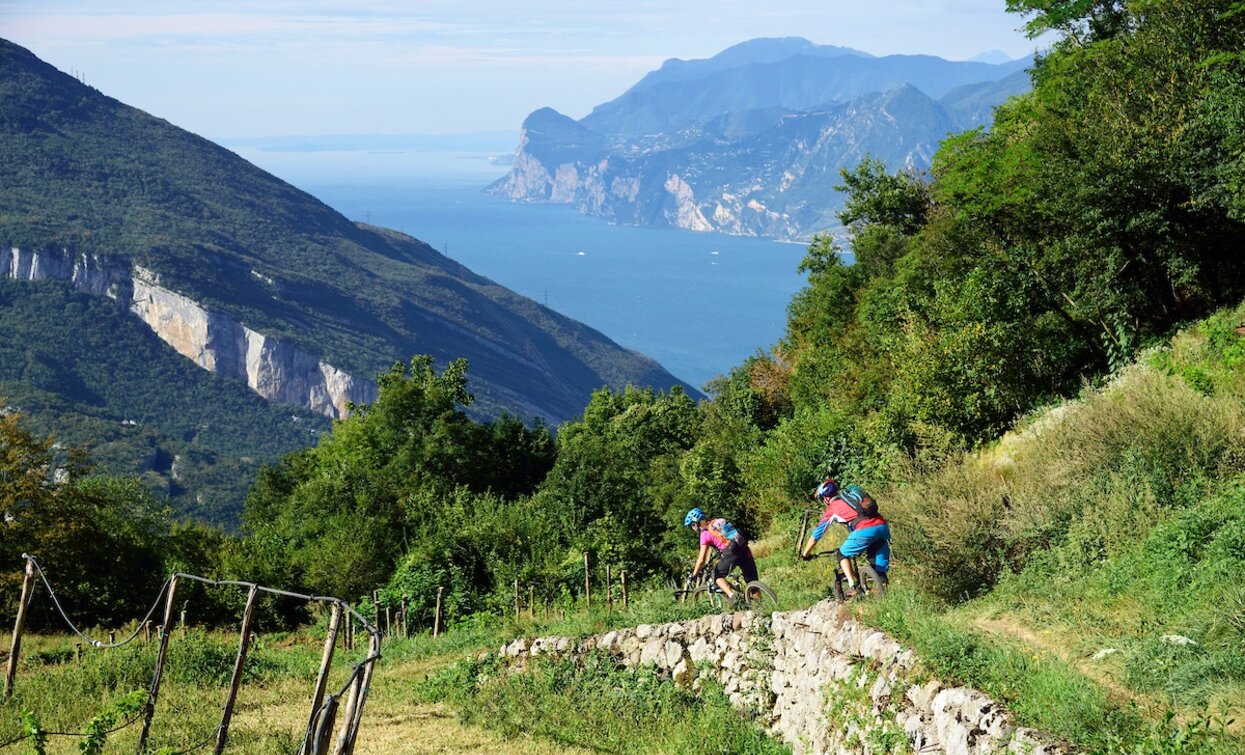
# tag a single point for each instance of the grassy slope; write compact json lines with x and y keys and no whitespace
{"x":80,"y":368}
{"x":1110,"y":533}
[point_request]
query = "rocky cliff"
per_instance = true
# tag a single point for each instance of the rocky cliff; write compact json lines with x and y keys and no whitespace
{"x":818,"y":679}
{"x":214,"y":341}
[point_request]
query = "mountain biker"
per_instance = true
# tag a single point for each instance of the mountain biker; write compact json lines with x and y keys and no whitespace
{"x":731,"y":544}
{"x":867,"y":530}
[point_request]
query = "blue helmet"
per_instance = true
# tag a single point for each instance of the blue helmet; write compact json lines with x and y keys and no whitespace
{"x":695,"y":515}
{"x":827,"y":488}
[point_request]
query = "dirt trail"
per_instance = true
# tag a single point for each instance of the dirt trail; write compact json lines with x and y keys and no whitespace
{"x":1006,"y":626}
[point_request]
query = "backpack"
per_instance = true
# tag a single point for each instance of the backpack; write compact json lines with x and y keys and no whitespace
{"x":727,"y":530}
{"x":860,"y":502}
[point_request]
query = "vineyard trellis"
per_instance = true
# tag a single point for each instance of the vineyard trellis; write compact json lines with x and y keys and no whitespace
{"x":323,"y":720}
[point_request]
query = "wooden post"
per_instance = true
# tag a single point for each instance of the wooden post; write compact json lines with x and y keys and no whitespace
{"x":352,"y":701}
{"x":531,"y":601}
{"x":163,"y":632}
{"x":77,"y":652}
{"x":322,"y":680}
{"x":609,"y":590}
{"x":376,"y":610}
{"x":587,"y":584}
{"x":516,"y":598}
{"x":622,"y":576}
{"x":388,"y":621}
{"x":358,"y":697}
{"x":406,"y":615}
{"x":436,"y":617}
{"x":349,"y":629}
{"x":112,"y":637}
{"x":182,"y":623}
{"x":324,"y":729}
{"x":799,"y":541}
{"x":545,"y":612}
{"x":28,"y":589}
{"x":244,"y":643}
{"x":147,"y":632}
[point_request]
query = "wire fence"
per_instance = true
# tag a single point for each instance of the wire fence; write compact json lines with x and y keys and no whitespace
{"x":323,"y":718}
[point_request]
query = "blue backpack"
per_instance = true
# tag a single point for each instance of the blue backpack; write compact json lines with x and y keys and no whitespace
{"x":861,"y":502}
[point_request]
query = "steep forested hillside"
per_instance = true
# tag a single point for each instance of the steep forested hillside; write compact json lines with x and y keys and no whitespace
{"x":78,"y":368}
{"x":85,"y":172}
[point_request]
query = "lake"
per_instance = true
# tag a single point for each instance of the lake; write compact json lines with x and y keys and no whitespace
{"x":698,"y":303}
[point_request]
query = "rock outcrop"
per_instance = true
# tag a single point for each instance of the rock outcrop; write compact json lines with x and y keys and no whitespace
{"x":214,"y":341}
{"x":818,"y":679}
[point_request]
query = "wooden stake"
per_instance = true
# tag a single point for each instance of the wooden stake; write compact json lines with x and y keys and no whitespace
{"x":587,"y":584}
{"x":406,"y":616}
{"x":28,"y":589}
{"x":147,"y":632}
{"x":516,"y":598}
{"x":622,"y":576}
{"x":324,"y":729}
{"x":352,"y":701}
{"x":322,"y":680}
{"x":77,"y":652}
{"x":436,"y":617}
{"x":799,"y":541}
{"x":358,"y":697}
{"x":531,"y":602}
{"x":609,"y":590}
{"x":182,"y":623}
{"x":376,"y":609}
{"x":244,"y":643}
{"x":163,"y":631}
{"x":112,"y":637}
{"x":388,"y":621}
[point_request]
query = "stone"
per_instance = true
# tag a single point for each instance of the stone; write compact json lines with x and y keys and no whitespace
{"x":652,"y":651}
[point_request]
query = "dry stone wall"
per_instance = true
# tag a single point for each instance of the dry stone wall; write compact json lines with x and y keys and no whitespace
{"x":816,"y":678}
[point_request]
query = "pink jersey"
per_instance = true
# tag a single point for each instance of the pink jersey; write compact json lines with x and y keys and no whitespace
{"x":716,"y":534}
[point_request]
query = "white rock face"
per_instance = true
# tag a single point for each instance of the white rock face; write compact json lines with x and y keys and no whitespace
{"x":686,"y":212}
{"x":214,"y":341}
{"x":277,"y":371}
{"x":88,"y":272}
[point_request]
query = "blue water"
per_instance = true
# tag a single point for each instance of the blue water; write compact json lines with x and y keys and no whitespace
{"x":698,"y":303}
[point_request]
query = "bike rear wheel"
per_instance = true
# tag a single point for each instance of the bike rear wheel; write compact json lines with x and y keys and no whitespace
{"x":871,"y":580}
{"x":760,"y":596}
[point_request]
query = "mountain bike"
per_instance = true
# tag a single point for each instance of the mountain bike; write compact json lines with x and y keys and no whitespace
{"x":868,"y":577}
{"x":702,"y":588}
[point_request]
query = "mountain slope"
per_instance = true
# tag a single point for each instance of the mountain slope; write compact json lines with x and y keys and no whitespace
{"x":751,"y":141}
{"x":85,"y":173}
{"x":77,"y":367}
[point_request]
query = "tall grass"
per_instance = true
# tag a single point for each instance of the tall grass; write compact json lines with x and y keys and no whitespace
{"x":596,"y":705}
{"x":1100,"y":470}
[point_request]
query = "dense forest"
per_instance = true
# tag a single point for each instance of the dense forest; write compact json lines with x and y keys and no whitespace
{"x":1102,"y":211}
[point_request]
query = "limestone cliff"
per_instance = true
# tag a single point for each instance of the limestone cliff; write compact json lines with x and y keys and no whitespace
{"x":214,"y":341}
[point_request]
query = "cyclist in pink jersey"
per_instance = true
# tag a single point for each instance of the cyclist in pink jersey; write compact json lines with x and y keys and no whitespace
{"x":731,"y":544}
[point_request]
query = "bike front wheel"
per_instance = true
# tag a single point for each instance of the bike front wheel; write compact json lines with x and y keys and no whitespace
{"x":708,"y":597}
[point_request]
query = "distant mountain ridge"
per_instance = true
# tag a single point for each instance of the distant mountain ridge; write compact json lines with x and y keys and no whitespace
{"x":750,"y":141}
{"x":252,"y":279}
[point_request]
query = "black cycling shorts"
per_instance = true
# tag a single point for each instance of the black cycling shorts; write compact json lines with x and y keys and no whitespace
{"x":737,"y":554}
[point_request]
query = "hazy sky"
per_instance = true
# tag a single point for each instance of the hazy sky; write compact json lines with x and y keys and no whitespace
{"x":231,"y":69}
